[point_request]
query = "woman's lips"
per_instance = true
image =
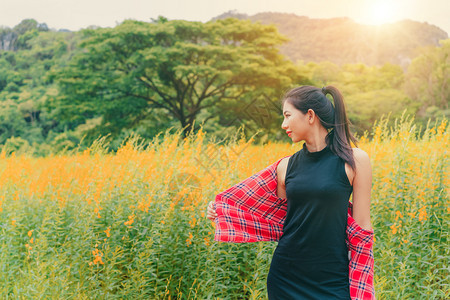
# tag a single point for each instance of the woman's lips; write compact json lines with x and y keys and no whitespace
{"x":289,"y":134}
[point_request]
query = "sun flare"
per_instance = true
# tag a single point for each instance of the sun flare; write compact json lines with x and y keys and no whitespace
{"x":381,"y":12}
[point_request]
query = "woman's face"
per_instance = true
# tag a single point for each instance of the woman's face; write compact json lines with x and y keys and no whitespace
{"x":295,"y":122}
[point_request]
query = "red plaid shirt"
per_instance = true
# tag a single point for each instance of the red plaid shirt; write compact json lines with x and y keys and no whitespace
{"x":251,"y":211}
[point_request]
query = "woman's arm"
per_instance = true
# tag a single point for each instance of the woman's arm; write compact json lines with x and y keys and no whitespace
{"x":281,"y":176}
{"x":362,"y":185}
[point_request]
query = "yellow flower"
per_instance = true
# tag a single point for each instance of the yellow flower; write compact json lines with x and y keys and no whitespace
{"x":189,"y":239}
{"x":412,"y":215}
{"x":97,"y":257}
{"x":192,"y":223}
{"x":423,"y":213}
{"x":130,"y":220}
{"x":30,"y":232}
{"x":394,"y":229}
{"x":378,"y":132}
{"x":96,"y":211}
{"x":433,"y":130}
{"x":107,"y":231}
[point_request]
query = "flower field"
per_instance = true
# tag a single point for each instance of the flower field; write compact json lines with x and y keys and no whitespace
{"x":96,"y":225}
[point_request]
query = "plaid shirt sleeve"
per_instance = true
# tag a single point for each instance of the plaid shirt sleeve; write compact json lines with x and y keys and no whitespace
{"x":251,"y":211}
{"x":360,"y":243}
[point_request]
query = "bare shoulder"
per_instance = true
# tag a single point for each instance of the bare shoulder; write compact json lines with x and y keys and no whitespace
{"x":361,"y":157}
{"x":362,"y":162}
{"x":359,"y":152}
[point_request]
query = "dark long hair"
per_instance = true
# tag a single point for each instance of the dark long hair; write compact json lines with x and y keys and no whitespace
{"x":333,"y":118}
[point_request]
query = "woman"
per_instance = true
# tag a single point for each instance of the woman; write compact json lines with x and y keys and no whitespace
{"x":311,"y":259}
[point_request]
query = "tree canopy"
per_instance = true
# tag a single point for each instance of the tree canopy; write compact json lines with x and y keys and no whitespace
{"x":428,"y":79}
{"x":179,"y":67}
{"x":60,"y":89}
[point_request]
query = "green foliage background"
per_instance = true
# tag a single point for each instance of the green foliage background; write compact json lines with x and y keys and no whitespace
{"x":163,"y":255}
{"x":63,"y":90}
{"x":60,"y":91}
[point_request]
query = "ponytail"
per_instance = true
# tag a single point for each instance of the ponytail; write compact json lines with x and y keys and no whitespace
{"x":341,"y":138}
{"x":332,"y":118}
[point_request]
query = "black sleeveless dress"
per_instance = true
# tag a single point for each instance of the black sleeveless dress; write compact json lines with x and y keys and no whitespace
{"x":311,"y":258}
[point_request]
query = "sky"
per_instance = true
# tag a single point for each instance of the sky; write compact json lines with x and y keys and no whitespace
{"x":77,"y":14}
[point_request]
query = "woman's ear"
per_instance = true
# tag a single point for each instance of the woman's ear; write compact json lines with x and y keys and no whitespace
{"x":310,"y":115}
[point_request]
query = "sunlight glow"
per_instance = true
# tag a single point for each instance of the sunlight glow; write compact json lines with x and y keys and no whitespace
{"x":381,"y":12}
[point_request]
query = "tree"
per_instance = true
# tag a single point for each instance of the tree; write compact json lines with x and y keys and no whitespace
{"x":181,"y":67}
{"x":17,"y":38}
{"x":428,"y":77}
{"x":11,"y":121}
{"x":24,"y":85}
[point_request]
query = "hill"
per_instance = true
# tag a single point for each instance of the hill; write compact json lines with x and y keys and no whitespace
{"x":342,"y":40}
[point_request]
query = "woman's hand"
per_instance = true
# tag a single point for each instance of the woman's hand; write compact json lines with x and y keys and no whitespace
{"x":211,"y":212}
